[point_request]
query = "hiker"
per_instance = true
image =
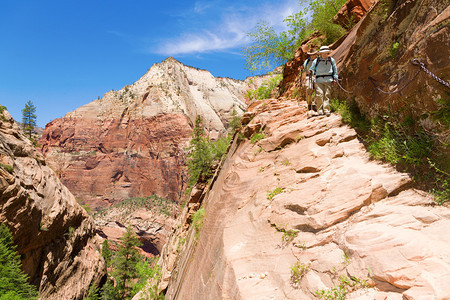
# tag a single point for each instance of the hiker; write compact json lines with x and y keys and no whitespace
{"x":308,"y":83}
{"x":324,"y":68}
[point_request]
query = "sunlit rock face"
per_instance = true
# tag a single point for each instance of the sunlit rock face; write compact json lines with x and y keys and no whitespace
{"x":55,"y":237}
{"x":132,"y":142}
{"x":308,"y":195}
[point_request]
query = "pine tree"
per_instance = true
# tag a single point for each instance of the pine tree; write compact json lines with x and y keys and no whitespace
{"x":109,"y":291}
{"x":13,"y":282}
{"x":106,"y":252}
{"x":200,"y":159}
{"x":29,"y":118}
{"x":125,"y":262}
{"x":93,"y":293}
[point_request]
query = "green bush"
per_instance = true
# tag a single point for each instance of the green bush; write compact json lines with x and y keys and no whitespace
{"x":8,"y":168}
{"x":270,"y":49}
{"x":266,"y":89}
{"x":272,"y":193}
{"x":203,"y":155}
{"x":13,"y":282}
{"x":197,"y":221}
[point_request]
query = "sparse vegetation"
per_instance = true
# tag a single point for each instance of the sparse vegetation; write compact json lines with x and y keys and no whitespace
{"x":204,"y":154}
{"x":197,"y":221}
{"x":394,"y":49}
{"x":405,"y":145}
{"x":7,"y":168}
{"x":2,"y":109}
{"x":257,"y":136}
{"x":266,"y":89}
{"x":272,"y":193}
{"x":340,"y":290}
{"x":298,"y":270}
{"x":154,"y":202}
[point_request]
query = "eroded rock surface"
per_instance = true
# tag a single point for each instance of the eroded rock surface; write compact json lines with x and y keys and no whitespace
{"x":352,"y":216}
{"x":54,"y":235}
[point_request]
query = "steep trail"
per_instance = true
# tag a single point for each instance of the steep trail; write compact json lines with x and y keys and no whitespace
{"x":353,"y":216}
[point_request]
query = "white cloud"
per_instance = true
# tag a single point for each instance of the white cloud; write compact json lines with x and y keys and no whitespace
{"x":230,"y":29}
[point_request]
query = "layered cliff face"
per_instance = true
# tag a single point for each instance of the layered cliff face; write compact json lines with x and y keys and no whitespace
{"x":131,"y":143}
{"x":55,"y":236}
{"x":305,"y":211}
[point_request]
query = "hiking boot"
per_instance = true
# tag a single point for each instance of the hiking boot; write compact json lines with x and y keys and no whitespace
{"x":327,"y":113}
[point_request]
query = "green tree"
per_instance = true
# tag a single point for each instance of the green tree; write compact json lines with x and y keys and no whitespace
{"x":270,"y":49}
{"x":200,"y":159}
{"x":109,"y":291}
{"x":125,"y":262}
{"x":13,"y":282}
{"x":29,"y":118}
{"x":106,"y":252}
{"x":322,"y":13}
{"x":93,"y":293}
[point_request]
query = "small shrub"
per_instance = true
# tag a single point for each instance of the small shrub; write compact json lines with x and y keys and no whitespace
{"x":289,"y":235}
{"x":257,"y":137}
{"x":197,"y":221}
{"x":7,"y":168}
{"x":298,"y":270}
{"x":272,"y":193}
{"x":394,"y":49}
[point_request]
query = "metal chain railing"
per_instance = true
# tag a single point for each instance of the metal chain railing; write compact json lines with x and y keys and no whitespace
{"x":414,"y":62}
{"x":417,"y":62}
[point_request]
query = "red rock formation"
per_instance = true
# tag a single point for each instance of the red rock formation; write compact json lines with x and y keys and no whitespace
{"x":55,"y":237}
{"x":377,"y":53}
{"x":352,"y":12}
{"x":346,"y":214}
{"x":105,"y":161}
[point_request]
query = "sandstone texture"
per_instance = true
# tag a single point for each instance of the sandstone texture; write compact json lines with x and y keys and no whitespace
{"x":308,"y":195}
{"x":377,"y":55}
{"x":152,"y":223}
{"x":55,"y":237}
{"x":131,"y":143}
{"x":352,"y":12}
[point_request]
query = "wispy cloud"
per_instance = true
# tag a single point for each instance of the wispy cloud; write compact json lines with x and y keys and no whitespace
{"x":229,"y":28}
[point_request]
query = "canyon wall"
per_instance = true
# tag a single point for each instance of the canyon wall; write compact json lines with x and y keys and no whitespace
{"x":55,"y":237}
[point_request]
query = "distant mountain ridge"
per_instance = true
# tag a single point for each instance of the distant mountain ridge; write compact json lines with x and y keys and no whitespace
{"x":131,"y":142}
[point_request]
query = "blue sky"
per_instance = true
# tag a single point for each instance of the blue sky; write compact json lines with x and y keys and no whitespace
{"x":62,"y":54}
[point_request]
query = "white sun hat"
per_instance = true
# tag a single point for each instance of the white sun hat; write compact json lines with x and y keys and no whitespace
{"x":324,"y":49}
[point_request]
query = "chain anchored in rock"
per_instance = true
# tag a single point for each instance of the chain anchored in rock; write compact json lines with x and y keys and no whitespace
{"x":348,"y":92}
{"x":417,"y":62}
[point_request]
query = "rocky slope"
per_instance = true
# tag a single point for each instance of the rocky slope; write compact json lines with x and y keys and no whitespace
{"x":55,"y":236}
{"x":131,"y":143}
{"x":305,"y":210}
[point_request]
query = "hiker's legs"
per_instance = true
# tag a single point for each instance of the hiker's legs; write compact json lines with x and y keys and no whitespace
{"x":319,"y":96}
{"x":326,"y":98}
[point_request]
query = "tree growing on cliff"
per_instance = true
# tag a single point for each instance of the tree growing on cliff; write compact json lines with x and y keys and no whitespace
{"x":13,"y":282}
{"x":29,"y":118}
{"x":200,"y":157}
{"x":270,"y":49}
{"x":125,"y":262}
